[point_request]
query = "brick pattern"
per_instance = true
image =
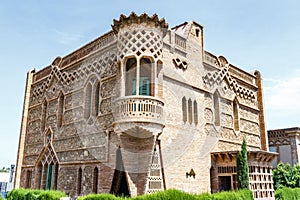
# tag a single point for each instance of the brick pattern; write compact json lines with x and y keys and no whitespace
{"x":223,"y":105}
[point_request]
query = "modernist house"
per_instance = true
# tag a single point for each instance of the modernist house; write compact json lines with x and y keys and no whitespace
{"x":140,"y":109}
{"x":286,"y":143}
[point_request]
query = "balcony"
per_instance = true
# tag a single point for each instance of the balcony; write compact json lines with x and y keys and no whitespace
{"x":139,"y":116}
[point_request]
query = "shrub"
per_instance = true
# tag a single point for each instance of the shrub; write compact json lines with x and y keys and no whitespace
{"x":238,"y":195}
{"x":99,"y":196}
{"x":166,"y":195}
{"x":19,"y":194}
{"x":177,"y":195}
{"x":286,"y":176}
{"x":27,"y":194}
{"x":287,"y":194}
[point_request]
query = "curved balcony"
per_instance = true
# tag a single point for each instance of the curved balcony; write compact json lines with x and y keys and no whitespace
{"x":138,"y":115}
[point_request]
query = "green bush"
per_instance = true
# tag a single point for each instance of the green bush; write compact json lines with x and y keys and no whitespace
{"x":238,"y":195}
{"x":287,"y":194}
{"x":166,"y":195}
{"x":27,"y":194}
{"x":177,"y":195}
{"x":19,"y":194}
{"x":100,"y":196}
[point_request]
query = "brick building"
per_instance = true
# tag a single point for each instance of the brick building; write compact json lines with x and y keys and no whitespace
{"x":141,"y":109}
{"x":285,"y":142}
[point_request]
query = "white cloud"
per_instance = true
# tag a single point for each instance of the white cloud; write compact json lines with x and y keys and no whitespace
{"x":67,"y":38}
{"x":282,"y":101}
{"x":284,"y":93}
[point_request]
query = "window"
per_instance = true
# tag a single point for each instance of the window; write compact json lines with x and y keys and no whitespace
{"x":144,"y":73}
{"x":184,"y":110}
{"x":96,"y":99}
{"x":60,"y":110}
{"x":49,"y":178}
{"x":146,"y":80}
{"x":195,"y":112}
{"x":44,"y":115}
{"x":130,"y":84}
{"x":79,"y":180}
{"x":236,"y":115}
{"x":92,"y":98}
{"x":88,"y":101}
{"x":28,"y":178}
{"x":217,"y":108}
{"x":95,"y":180}
{"x":190,"y":111}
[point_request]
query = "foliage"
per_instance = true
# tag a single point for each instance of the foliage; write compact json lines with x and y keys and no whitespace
{"x":5,"y":169}
{"x":176,"y":194}
{"x":242,"y":167}
{"x":287,"y":194}
{"x":100,"y":196}
{"x":27,"y":194}
{"x":241,"y":194}
{"x":286,"y":176}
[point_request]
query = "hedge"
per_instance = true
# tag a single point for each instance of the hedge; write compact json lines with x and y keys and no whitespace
{"x":177,"y":195}
{"x":287,"y":194}
{"x":27,"y":194}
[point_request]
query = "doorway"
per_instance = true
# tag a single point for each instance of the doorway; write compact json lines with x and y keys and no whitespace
{"x":225,"y":183}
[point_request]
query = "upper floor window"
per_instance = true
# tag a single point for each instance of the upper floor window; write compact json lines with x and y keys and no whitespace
{"x":216,"y":100}
{"x":92,"y":98}
{"x":236,"y":115}
{"x":139,"y":77}
{"x":130,"y":82}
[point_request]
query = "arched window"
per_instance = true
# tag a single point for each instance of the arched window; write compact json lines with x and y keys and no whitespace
{"x":140,"y":77}
{"x":216,"y":98}
{"x":146,"y":77}
{"x":195,"y":112}
{"x":190,"y":111}
{"x":79,"y":180}
{"x":96,"y":99}
{"x":184,"y":110}
{"x":95,"y":180}
{"x":236,"y":115}
{"x":88,"y":101}
{"x":60,"y":110}
{"x":130,"y":82}
{"x":44,"y":115}
{"x":92,"y":98}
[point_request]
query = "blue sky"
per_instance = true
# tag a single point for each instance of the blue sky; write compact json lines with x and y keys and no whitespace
{"x":252,"y":34}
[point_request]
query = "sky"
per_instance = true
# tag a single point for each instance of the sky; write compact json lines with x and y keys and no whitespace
{"x":252,"y":34}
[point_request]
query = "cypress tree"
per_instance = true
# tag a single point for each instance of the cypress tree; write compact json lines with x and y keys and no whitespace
{"x":242,"y":167}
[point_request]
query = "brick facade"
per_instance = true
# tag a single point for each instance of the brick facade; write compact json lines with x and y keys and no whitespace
{"x":140,"y":109}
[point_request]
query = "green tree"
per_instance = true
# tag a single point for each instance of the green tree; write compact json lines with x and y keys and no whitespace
{"x":286,"y":176}
{"x":242,"y":167}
